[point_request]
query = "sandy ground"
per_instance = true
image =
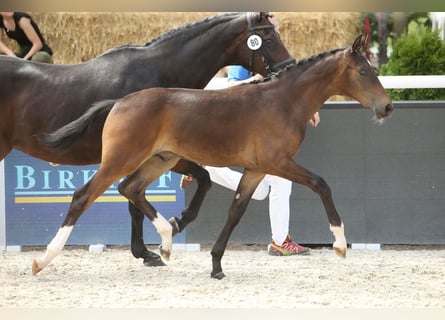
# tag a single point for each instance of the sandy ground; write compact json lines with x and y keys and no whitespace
{"x":388,"y":278}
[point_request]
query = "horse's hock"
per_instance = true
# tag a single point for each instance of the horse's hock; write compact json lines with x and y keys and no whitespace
{"x":80,"y":36}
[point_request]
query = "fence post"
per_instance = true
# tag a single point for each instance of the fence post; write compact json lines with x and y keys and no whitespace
{"x":2,"y":207}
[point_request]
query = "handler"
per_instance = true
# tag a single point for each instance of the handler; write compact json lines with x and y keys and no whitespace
{"x":20,"y":27}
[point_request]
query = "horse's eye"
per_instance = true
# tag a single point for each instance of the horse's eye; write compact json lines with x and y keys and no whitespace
{"x":362,"y":72}
{"x":268,"y":42}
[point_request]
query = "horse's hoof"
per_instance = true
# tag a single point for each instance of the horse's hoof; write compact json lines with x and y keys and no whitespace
{"x":164,"y":253}
{"x":154,"y":262}
{"x":175,"y":226}
{"x":341,"y":252}
{"x":218,"y":275}
{"x":35,"y":268}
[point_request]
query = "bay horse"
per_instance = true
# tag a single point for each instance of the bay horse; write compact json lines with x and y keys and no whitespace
{"x":39,"y":98}
{"x":258,"y":126}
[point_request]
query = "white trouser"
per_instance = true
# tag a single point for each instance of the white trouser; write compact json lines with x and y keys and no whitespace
{"x":280,"y":191}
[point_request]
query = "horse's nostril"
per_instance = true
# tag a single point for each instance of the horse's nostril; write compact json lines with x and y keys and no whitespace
{"x":389,"y":108}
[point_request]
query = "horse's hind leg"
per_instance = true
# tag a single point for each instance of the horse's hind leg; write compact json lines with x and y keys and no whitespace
{"x":133,"y":188}
{"x":248,"y":184}
{"x":203,"y":180}
{"x":138,"y":248}
{"x":5,"y":148}
{"x":82,"y":199}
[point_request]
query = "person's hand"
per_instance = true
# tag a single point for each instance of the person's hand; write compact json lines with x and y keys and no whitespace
{"x":6,"y":50}
{"x":257,"y":77}
{"x":315,"y":120}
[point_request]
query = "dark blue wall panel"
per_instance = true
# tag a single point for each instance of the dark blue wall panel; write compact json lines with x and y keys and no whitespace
{"x":38,"y":196}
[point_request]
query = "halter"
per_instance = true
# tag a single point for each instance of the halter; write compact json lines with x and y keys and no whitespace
{"x":270,"y":67}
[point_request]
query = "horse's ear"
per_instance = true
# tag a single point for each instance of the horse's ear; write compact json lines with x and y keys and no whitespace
{"x":265,"y":15}
{"x":359,"y":42}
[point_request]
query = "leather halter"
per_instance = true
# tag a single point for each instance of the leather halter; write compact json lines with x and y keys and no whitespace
{"x":270,"y":67}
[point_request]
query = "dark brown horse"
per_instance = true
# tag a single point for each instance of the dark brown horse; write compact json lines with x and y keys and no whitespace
{"x":38,"y":98}
{"x":257,"y":126}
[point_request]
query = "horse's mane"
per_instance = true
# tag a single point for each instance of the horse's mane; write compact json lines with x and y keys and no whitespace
{"x":313,"y":59}
{"x":302,"y":65}
{"x":208,"y":22}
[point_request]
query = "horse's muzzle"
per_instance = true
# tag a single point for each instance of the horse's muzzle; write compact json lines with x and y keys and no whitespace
{"x":385,"y":111}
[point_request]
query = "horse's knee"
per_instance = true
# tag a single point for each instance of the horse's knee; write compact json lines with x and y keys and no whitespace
{"x":123,"y":190}
{"x":320,"y":186}
{"x":203,"y":179}
{"x":131,"y":195}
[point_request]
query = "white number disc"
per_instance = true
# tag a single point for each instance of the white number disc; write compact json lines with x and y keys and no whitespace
{"x":254,"y":42}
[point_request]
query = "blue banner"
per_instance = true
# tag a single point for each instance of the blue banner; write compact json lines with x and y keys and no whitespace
{"x":38,"y":195}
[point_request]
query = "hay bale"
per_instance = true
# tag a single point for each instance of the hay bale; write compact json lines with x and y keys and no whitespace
{"x":308,"y":33}
{"x":80,"y":36}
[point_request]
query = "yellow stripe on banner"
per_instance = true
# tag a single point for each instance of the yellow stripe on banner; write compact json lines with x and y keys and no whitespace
{"x":171,"y":198}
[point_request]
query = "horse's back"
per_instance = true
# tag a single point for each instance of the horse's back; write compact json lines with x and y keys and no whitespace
{"x":188,"y":118}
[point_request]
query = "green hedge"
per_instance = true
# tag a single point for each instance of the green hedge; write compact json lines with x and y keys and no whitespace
{"x":418,"y":52}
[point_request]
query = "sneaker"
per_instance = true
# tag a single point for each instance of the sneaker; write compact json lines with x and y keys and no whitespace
{"x":288,"y":248}
{"x":185,"y":180}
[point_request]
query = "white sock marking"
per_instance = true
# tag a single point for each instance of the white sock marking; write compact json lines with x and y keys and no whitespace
{"x":164,"y":228}
{"x":55,"y":246}
{"x":339,"y":234}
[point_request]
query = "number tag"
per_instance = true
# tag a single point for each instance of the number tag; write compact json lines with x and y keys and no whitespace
{"x":254,"y":42}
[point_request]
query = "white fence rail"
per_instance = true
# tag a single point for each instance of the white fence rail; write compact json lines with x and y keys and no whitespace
{"x":388,"y":82}
{"x":412,"y":82}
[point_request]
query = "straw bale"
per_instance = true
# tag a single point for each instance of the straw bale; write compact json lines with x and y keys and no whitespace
{"x":308,"y":33}
{"x":80,"y":36}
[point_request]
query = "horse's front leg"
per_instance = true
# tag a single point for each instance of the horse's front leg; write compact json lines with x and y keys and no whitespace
{"x":203,"y":180}
{"x":138,"y":248}
{"x":290,"y":170}
{"x":248,"y":184}
{"x":81,"y":201}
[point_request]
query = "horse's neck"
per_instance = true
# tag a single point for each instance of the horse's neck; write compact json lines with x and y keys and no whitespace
{"x":312,"y":86}
{"x":320,"y":79}
{"x":201,"y":54}
{"x":197,"y":58}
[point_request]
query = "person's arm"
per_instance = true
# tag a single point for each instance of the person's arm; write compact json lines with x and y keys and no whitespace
{"x":25,"y":24}
{"x":4,"y":48}
{"x":238,"y":82}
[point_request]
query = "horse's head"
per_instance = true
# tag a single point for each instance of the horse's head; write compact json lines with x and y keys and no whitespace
{"x":262,"y":48}
{"x":363,"y":84}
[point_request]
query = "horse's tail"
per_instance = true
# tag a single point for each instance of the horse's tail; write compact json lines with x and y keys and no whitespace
{"x":65,"y":136}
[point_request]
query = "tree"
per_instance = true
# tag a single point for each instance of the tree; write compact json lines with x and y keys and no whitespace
{"x":385,"y":27}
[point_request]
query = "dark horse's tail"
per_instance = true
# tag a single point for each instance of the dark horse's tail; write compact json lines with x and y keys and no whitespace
{"x":65,"y":136}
